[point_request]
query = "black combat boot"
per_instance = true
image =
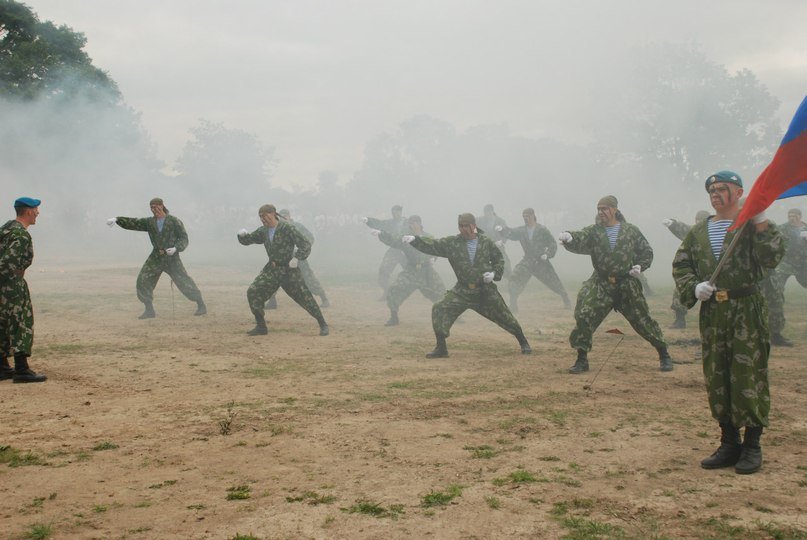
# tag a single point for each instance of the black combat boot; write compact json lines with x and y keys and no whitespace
{"x":393,"y":318}
{"x":514,"y":303}
{"x":680,"y":320}
{"x":6,"y":371}
{"x":440,"y":350}
{"x":525,"y":346}
{"x":23,"y":373}
{"x":664,"y":359}
{"x":149,"y":313}
{"x":581,"y":364}
{"x":728,"y":452}
{"x":324,"y":301}
{"x":201,"y":308}
{"x":751,"y":453}
{"x":260,"y":326}
{"x":271,"y":303}
{"x":323,"y":327}
{"x":780,"y":341}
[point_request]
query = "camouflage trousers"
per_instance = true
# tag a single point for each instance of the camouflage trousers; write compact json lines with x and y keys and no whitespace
{"x":736,"y":346}
{"x":775,"y":298}
{"x":543,"y":272}
{"x":421,"y":277}
{"x":484,"y":299}
{"x":677,"y":306}
{"x":290,"y":280}
{"x":310,"y":279}
{"x":392,"y":258}
{"x":172,"y":265}
{"x":596,"y":299}
{"x":16,"y":318}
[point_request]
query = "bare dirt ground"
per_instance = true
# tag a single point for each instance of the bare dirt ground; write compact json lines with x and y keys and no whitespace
{"x":184,"y":427}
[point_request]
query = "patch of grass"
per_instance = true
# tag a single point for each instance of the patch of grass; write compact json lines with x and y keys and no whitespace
{"x":780,"y":532}
{"x":100,"y":508}
{"x":163,"y":484}
{"x":482,"y":452}
{"x":522,"y":477}
{"x":15,"y":458}
{"x":143,"y":504}
{"x":587,"y":528}
{"x":140,"y":530}
{"x":244,"y":537}
{"x":557,"y":417}
{"x":106,"y":445}
{"x":226,"y":423}
{"x":83,"y":456}
{"x":312,"y":498}
{"x":39,"y":531}
{"x":196,"y":507}
{"x":374,"y":509}
{"x":549,"y":458}
{"x":238,"y":493}
{"x":441,"y":498}
{"x":493,"y":503}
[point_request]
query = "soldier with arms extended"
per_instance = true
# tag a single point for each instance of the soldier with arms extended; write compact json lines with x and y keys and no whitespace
{"x":286,"y":247}
{"x":477,"y":263}
{"x":417,"y":274}
{"x":392,"y":257}
{"x":619,"y":253}
{"x":492,"y":224}
{"x":168,"y":239}
{"x":16,"y":310}
{"x":680,"y":230}
{"x":539,"y":246}
{"x":733,"y":319}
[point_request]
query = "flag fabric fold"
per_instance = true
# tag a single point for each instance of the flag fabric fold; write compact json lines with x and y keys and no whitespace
{"x":786,"y":175}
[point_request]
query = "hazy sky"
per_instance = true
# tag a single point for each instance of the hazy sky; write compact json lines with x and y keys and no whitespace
{"x":317,"y":80}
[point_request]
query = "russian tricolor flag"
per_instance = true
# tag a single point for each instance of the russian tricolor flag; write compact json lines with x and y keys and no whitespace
{"x":786,"y":175}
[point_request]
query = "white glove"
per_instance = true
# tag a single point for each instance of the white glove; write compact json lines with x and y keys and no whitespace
{"x":111,"y":221}
{"x":170,"y":251}
{"x":499,"y":243}
{"x":760,"y":218}
{"x":487,"y":277}
{"x":407,"y":238}
{"x":635,"y":270}
{"x":803,"y":234}
{"x":667,"y":222}
{"x":565,"y":237}
{"x":293,"y":262}
{"x":365,"y":220}
{"x":243,"y":232}
{"x":498,"y":228}
{"x":704,"y":291}
{"x":544,"y":257}
{"x":375,"y":232}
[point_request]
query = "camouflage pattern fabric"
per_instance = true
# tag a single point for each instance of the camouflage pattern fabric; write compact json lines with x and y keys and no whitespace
{"x":680,"y":230}
{"x":610,"y":286}
{"x":392,"y":257}
{"x":16,"y":310}
{"x":470,"y":292}
{"x":542,"y":243}
{"x":795,"y":259}
{"x":172,"y":235}
{"x":487,"y":225}
{"x":417,"y":274}
{"x":734,"y":333}
{"x":288,"y":242}
{"x":305,"y":268}
{"x":775,"y":299}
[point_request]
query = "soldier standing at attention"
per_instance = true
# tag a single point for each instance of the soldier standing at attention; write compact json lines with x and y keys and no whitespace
{"x":619,"y":253}
{"x":477,"y":263}
{"x":492,"y":224}
{"x":392,"y":257}
{"x":680,"y":230}
{"x":539,"y":246}
{"x":417,"y":273}
{"x":168,"y":239}
{"x":286,"y":247}
{"x":16,"y":310}
{"x":733,"y":319}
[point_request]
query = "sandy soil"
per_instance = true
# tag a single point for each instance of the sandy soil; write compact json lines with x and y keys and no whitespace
{"x":149,"y":429}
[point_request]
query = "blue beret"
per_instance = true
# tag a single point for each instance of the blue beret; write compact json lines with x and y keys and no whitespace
{"x":27,"y":202}
{"x":729,"y":177}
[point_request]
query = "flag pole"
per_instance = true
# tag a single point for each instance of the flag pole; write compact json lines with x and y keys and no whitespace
{"x":728,"y":251}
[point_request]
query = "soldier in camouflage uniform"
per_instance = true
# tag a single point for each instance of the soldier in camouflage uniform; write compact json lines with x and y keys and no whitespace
{"x":477,"y":263}
{"x":16,"y":310}
{"x":168,"y":239}
{"x":417,"y":274}
{"x":680,"y":230}
{"x":619,"y":253}
{"x":733,"y":319}
{"x":392,"y":257}
{"x":310,"y":279}
{"x":488,"y":222}
{"x":286,"y":246}
{"x":794,"y":264}
{"x":539,"y":246}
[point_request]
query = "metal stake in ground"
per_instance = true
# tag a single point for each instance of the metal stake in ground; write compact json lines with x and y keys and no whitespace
{"x":589,"y":385}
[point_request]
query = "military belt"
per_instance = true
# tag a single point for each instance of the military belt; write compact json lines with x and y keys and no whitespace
{"x":613,"y":279}
{"x":723,"y":295}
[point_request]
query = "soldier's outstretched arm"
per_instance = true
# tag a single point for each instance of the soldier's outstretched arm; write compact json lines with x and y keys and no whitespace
{"x":246,"y":238}
{"x":133,"y":224}
{"x":580,"y":241}
{"x":431,"y":246}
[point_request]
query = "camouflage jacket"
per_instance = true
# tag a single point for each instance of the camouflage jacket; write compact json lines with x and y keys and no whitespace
{"x":489,"y":227}
{"x":414,"y":258}
{"x":488,"y":258}
{"x":795,"y":245}
{"x":679,"y":229}
{"x":631,"y":248}
{"x":392,"y":226}
{"x":303,"y":229}
{"x":172,"y":235}
{"x":753,"y":256}
{"x":281,"y":249}
{"x":542,"y":241}
{"x":16,"y":251}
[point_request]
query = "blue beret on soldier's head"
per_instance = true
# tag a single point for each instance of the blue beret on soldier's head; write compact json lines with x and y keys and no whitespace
{"x":27,"y":202}
{"x":729,"y":177}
